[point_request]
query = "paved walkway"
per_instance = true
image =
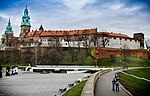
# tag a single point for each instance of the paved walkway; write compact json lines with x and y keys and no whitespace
{"x":104,"y":86}
{"x":36,"y":84}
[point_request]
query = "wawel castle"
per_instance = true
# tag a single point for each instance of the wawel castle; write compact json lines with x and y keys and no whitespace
{"x":83,"y":38}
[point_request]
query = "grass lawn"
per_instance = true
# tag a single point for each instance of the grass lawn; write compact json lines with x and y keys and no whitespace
{"x":119,"y":61}
{"x":144,"y":72}
{"x":20,"y":66}
{"x":136,"y":86}
{"x":5,"y":65}
{"x":76,"y":90}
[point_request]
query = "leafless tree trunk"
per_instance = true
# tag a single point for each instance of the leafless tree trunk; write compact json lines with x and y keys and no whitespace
{"x":147,"y":43}
{"x":104,"y":39}
{"x":125,"y":51}
{"x":42,"y":51}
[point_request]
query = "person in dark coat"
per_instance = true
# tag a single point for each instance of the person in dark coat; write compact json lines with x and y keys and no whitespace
{"x":1,"y":71}
{"x":113,"y":83}
{"x":13,"y":70}
{"x":117,"y":83}
{"x":7,"y":71}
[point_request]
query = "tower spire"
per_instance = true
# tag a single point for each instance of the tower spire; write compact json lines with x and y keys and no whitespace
{"x":41,"y":28}
{"x":9,"y":22}
{"x":25,"y":18}
{"x":9,"y":28}
{"x":25,"y":24}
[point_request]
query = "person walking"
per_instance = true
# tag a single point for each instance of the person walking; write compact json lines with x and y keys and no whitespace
{"x":117,"y":86}
{"x":1,"y":71}
{"x":113,"y":84}
{"x":7,"y":71}
{"x":117,"y":83}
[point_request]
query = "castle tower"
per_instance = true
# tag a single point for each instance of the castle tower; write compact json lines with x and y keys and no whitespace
{"x":8,"y":34}
{"x":140,"y":37}
{"x":25,"y":24}
{"x":41,"y":28}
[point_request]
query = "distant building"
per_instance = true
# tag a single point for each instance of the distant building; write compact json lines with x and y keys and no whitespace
{"x":8,"y":39}
{"x":83,"y":38}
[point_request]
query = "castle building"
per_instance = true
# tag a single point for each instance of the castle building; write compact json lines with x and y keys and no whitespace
{"x":8,"y":38}
{"x":83,"y":38}
{"x":25,"y":25}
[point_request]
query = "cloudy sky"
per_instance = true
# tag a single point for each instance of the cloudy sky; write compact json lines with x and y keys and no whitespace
{"x":121,"y":16}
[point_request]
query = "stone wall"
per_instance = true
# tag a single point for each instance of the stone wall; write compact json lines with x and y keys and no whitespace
{"x":75,"y":55}
{"x":108,"y":52}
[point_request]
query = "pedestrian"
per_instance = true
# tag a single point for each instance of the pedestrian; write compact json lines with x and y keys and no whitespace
{"x":7,"y":71}
{"x":117,"y":83}
{"x":1,"y":71}
{"x":16,"y":69}
{"x":113,"y":84}
{"x":13,"y":71}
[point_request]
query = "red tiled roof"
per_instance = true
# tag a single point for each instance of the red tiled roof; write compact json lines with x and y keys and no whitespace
{"x":61,"y":32}
{"x":118,"y":35}
{"x":47,"y":33}
{"x":30,"y":34}
{"x":14,"y":38}
{"x":112,"y":34}
{"x":37,"y":33}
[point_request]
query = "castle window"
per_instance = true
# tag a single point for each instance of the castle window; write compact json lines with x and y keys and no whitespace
{"x":66,"y":43}
{"x":114,"y":37}
{"x":120,"y":38}
{"x":125,"y":39}
{"x":130,"y":39}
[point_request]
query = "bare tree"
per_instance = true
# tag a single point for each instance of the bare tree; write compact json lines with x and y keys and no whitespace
{"x":125,"y":51}
{"x":147,"y":43}
{"x":52,"y":56}
{"x":104,"y":39}
{"x":95,"y":40}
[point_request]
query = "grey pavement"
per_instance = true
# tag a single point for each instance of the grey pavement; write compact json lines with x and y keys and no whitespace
{"x":104,"y":86}
{"x":36,"y":84}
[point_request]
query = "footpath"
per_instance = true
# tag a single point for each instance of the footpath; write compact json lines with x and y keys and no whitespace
{"x":104,"y":86}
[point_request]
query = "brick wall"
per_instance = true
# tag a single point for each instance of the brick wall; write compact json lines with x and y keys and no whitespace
{"x":107,"y":52}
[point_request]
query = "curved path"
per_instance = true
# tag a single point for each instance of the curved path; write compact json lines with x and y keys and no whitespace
{"x":104,"y":87}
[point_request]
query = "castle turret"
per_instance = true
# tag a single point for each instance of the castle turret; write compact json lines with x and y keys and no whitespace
{"x":8,"y":34}
{"x":25,"y":24}
{"x":140,"y":37}
{"x":9,"y":28}
{"x":41,"y":28}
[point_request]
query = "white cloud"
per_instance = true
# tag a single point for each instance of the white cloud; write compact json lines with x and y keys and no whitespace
{"x":4,"y":16}
{"x":74,"y":14}
{"x":77,"y":5}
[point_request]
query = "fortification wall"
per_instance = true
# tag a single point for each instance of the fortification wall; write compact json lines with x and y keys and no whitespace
{"x":108,"y":52}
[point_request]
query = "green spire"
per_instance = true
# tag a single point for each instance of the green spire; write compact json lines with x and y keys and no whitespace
{"x":26,"y":18}
{"x":9,"y":28}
